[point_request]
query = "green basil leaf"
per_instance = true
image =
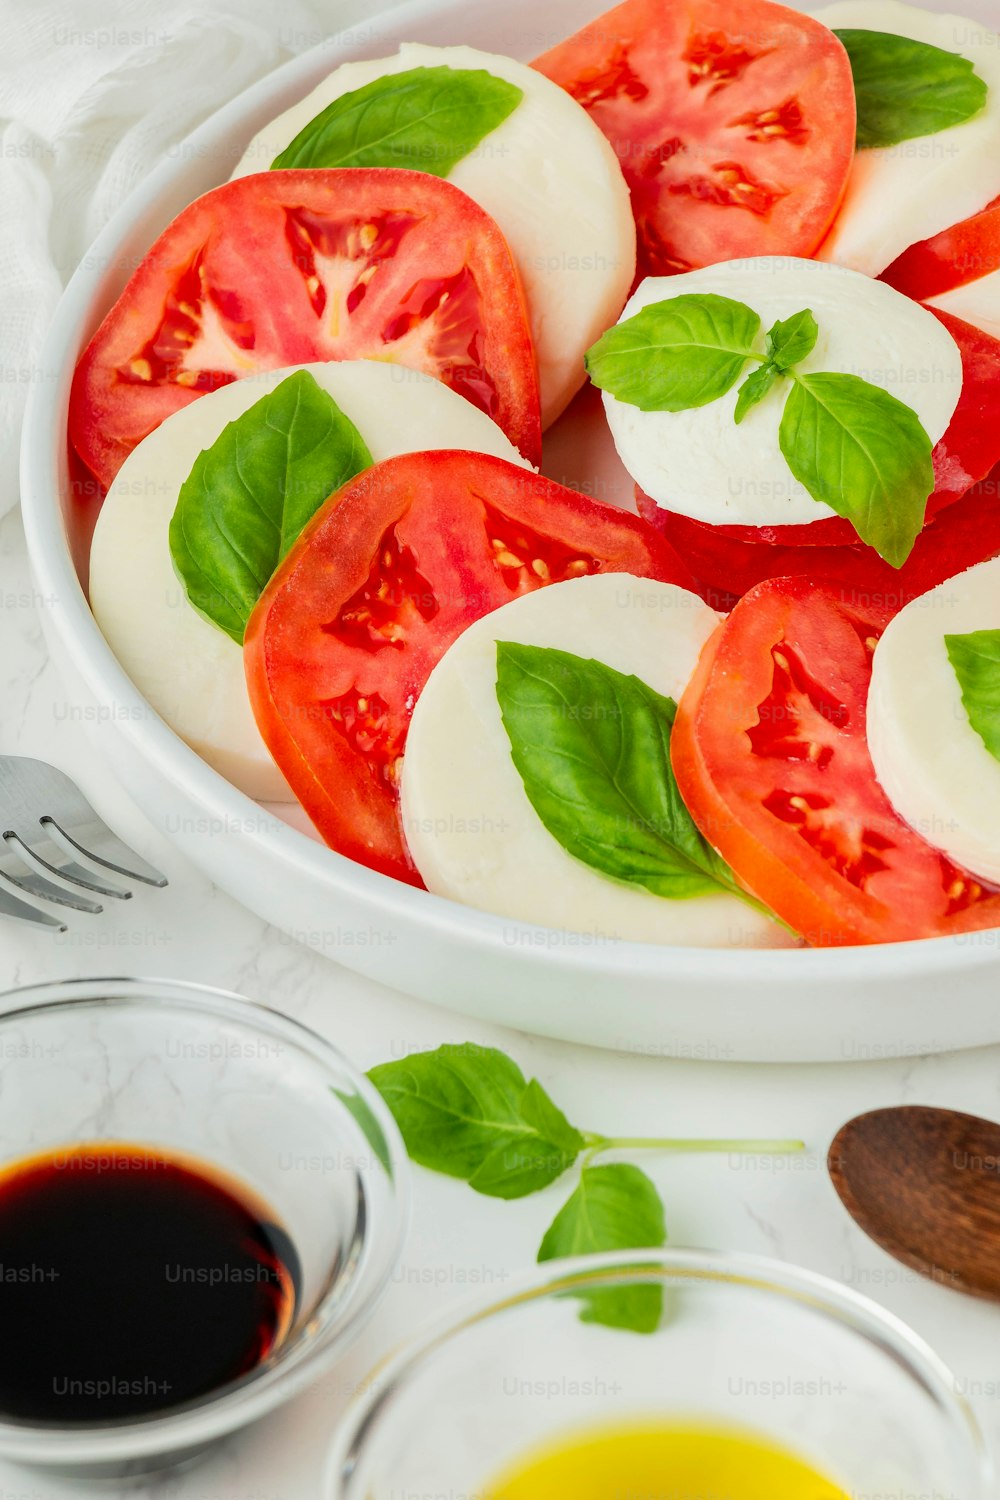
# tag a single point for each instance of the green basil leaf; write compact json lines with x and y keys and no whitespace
{"x":754,"y":389}
{"x":863,"y":453}
{"x":369,"y":1127}
{"x":592,"y":747}
{"x":976,"y":660}
{"x":907,"y":88}
{"x":528,"y":1163}
{"x":792,"y":339}
{"x":788,"y":342}
{"x":250,"y":494}
{"x":677,"y":354}
{"x":426,"y":119}
{"x":468,"y":1112}
{"x":614,"y":1207}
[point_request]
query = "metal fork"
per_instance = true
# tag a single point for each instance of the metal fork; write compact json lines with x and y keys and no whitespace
{"x":46,"y":822}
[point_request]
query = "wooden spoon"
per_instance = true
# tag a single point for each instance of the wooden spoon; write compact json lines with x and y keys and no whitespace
{"x":925,"y":1185}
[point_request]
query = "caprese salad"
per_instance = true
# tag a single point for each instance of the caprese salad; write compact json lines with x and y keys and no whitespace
{"x":742,"y":260}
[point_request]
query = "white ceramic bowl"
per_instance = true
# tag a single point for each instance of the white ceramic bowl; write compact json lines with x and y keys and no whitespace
{"x":777,"y":1006}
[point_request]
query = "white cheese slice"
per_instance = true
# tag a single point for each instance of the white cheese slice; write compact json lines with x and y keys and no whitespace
{"x":933,"y":766}
{"x":470,"y":827}
{"x":897,"y":195}
{"x":189,"y":670}
{"x":549,"y":178}
{"x":700,"y":464}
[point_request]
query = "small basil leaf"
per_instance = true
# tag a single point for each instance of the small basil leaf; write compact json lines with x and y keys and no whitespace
{"x":792,"y":339}
{"x":863,"y":453}
{"x":528,"y":1163}
{"x":976,"y":660}
{"x":592,"y":747}
{"x":614,"y":1207}
{"x":754,"y":389}
{"x":369,"y":1127}
{"x":249,"y":495}
{"x":426,"y":119}
{"x":907,"y":88}
{"x":538,"y":1111}
{"x":469,"y":1113}
{"x":677,"y":354}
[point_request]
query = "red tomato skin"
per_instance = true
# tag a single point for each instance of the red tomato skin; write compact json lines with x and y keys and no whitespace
{"x":728,"y":787}
{"x":441,"y":512}
{"x":733,"y":121}
{"x":247,"y":252}
{"x":727,"y":567}
{"x":953,"y":258}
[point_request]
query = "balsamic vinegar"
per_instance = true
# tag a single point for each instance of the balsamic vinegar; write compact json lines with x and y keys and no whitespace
{"x":132,"y":1281}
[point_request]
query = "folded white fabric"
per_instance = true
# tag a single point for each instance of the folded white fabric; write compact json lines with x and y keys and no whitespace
{"x":92,"y":94}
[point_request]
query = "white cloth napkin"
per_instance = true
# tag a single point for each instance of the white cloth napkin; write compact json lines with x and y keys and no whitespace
{"x":92,"y":93}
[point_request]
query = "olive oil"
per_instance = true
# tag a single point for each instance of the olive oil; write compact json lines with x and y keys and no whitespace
{"x":663,"y":1463}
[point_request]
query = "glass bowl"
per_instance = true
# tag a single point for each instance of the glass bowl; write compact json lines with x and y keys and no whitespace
{"x":256,"y":1096}
{"x":744,"y":1343}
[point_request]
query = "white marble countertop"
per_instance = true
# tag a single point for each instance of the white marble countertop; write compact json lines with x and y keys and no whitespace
{"x":460,"y":1242}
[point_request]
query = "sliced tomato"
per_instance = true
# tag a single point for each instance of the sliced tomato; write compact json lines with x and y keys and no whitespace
{"x":950,"y":259}
{"x":285,"y":268}
{"x":733,"y":121}
{"x":378,"y":586}
{"x":771,"y":756}
{"x":728,"y":566}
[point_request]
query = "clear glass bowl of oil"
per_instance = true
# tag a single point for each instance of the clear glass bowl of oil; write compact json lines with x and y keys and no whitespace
{"x":761,"y":1382}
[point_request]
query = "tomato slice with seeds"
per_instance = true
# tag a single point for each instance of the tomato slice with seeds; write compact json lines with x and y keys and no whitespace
{"x":733,"y":121}
{"x":951,"y":259}
{"x":771,"y":756}
{"x":384,"y":578}
{"x":287,"y":268}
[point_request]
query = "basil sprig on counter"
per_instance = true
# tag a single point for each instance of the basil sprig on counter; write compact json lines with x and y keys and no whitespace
{"x":469,"y":1112}
{"x":592,"y":747}
{"x":976,"y":660}
{"x":854,"y":447}
{"x":907,"y":88}
{"x":250,"y":494}
{"x":426,"y":119}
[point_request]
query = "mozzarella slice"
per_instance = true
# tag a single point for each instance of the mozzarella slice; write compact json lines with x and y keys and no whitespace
{"x":897,"y":195}
{"x":189,"y":670}
{"x":701,"y":464}
{"x":471,"y":829}
{"x":978,"y":302}
{"x":933,"y":766}
{"x":551,"y":181}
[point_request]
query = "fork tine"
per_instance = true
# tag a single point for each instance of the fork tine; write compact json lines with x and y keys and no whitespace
{"x":96,"y":841}
{"x":45,"y":858}
{"x":20,"y":911}
{"x":47,"y":890}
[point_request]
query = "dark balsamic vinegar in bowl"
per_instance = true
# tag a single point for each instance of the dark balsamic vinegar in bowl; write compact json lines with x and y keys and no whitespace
{"x":133,"y":1280}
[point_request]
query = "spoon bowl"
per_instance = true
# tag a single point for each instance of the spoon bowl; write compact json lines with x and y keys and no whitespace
{"x":924,"y":1184}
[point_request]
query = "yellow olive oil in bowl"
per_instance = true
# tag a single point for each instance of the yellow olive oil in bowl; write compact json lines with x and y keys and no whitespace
{"x":661,"y":1462}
